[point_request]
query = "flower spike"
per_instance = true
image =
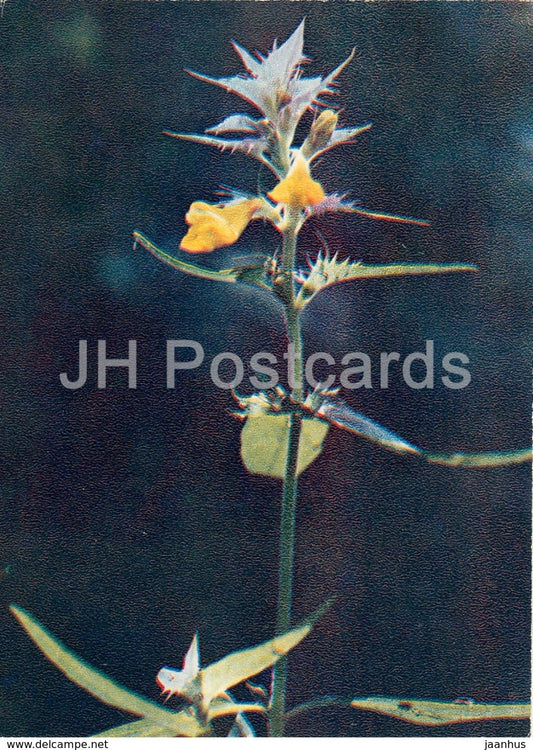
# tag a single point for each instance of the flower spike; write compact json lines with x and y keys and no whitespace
{"x":274,"y":84}
{"x":270,"y":77}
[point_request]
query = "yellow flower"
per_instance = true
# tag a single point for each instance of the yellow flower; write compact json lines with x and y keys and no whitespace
{"x":298,"y":189}
{"x":212,"y":226}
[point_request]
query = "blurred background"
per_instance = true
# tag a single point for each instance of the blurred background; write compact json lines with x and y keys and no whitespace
{"x":128,"y":521}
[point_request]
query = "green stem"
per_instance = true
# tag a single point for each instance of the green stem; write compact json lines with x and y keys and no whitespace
{"x":288,"y":519}
{"x":290,"y":482}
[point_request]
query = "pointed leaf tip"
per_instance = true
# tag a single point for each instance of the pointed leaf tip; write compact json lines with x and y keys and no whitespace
{"x":315,"y":616}
{"x":391,"y":217}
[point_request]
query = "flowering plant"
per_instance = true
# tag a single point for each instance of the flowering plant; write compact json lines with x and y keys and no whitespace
{"x":284,"y":430}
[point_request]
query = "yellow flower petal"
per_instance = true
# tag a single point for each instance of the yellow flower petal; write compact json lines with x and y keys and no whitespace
{"x":298,"y":189}
{"x":213,"y":226}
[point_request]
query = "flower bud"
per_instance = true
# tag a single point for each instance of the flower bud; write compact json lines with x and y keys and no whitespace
{"x":320,"y":133}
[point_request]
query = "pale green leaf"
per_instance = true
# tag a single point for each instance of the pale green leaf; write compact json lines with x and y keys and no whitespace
{"x":265,"y":443}
{"x":186,"y":725}
{"x":101,"y":686}
{"x":436,"y":713}
{"x":139,"y":728}
{"x":481,"y":460}
{"x":240,"y":665}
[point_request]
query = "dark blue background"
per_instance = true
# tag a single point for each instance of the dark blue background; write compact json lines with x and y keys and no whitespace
{"x":127,"y":520}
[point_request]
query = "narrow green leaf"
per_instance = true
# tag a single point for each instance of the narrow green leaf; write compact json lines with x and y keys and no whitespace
{"x":436,"y":713}
{"x":265,"y":443}
{"x":389,"y":217}
{"x":228,"y":274}
{"x":101,"y":686}
{"x":481,"y":460}
{"x":240,"y":665}
{"x":362,"y":271}
{"x":252,"y":273}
